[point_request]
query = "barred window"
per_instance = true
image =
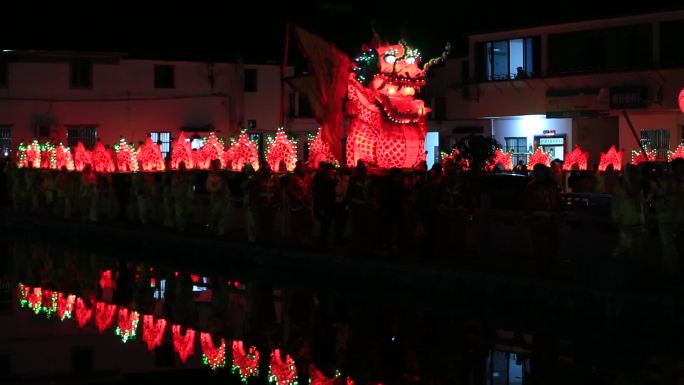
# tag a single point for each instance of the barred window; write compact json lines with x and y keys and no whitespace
{"x":519,"y":148}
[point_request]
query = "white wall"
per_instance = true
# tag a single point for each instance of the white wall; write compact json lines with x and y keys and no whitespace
{"x":672,"y":121}
{"x":41,"y":92}
{"x":531,"y":125}
{"x":431,"y":141}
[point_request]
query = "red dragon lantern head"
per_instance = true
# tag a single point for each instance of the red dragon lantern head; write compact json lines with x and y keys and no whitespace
{"x":388,"y":123}
{"x":392,"y":71}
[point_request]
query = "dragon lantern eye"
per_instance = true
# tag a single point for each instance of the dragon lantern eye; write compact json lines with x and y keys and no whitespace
{"x":410,"y":60}
{"x":390,"y":59}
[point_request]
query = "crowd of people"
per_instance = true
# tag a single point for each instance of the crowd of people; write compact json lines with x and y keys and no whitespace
{"x":384,"y":211}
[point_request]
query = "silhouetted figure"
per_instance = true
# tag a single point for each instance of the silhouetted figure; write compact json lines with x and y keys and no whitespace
{"x":324,"y":201}
{"x":542,"y":206}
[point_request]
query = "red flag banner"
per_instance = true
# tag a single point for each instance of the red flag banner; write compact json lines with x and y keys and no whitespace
{"x":327,"y":85}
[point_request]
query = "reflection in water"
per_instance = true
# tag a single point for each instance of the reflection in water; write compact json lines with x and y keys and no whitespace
{"x":256,"y":328}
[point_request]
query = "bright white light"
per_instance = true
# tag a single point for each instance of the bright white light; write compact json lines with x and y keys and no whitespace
{"x":533,"y":122}
{"x":7,"y":50}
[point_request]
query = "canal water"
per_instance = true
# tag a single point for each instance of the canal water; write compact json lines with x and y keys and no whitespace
{"x":475,"y":329}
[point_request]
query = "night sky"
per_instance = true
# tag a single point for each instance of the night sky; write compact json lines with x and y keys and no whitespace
{"x":218,"y":32}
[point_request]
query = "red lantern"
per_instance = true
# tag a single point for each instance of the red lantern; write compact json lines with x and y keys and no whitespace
{"x":153,"y":331}
{"x":681,"y":100}
{"x":64,"y":158}
{"x":127,"y":324}
{"x":281,"y":150}
{"x":388,"y":123}
{"x":638,"y":156}
{"x":83,"y":314}
{"x":611,"y":157}
{"x":677,"y":153}
{"x":183,"y":344}
{"x":102,"y":159}
{"x":319,"y":151}
{"x":282,"y":372}
{"x":181,"y":153}
{"x":150,"y":156}
{"x":104,"y":315}
{"x":212,"y":150}
{"x":576,"y":157}
{"x":212,"y":356}
{"x":502,"y":158}
{"x":81,"y":156}
{"x":65,"y":306}
{"x":245,"y":365}
{"x":242,"y":151}
{"x":126,"y":157}
{"x":538,"y":156}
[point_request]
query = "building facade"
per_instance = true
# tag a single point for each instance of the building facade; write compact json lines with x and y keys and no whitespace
{"x":570,"y":84}
{"x":71,"y":96}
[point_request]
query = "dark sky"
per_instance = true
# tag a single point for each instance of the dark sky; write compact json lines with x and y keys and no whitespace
{"x":221,"y":31}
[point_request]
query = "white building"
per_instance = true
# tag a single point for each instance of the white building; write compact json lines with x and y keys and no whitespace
{"x":560,"y":85}
{"x":71,"y":96}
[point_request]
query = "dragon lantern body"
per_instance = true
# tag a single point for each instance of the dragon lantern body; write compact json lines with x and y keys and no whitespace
{"x":387,"y":123}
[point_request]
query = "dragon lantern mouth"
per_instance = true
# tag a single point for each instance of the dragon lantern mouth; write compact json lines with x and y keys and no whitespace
{"x":403,"y":81}
{"x":410,"y":115}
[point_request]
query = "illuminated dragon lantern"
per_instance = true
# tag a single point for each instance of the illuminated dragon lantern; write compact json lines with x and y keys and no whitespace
{"x":387,"y":122}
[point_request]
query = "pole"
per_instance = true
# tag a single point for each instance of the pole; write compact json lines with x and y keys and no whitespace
{"x":636,"y":137}
{"x":282,"y":76}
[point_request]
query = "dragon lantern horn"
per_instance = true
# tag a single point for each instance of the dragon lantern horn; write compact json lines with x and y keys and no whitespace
{"x":438,"y":59}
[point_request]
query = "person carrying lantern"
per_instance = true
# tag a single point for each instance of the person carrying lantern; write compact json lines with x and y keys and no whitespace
{"x":215,"y":186}
{"x":542,"y":207}
{"x":167,"y":199}
{"x":299,"y":202}
{"x":89,"y":202}
{"x":358,"y":197}
{"x":453,"y":212}
{"x":669,"y":201}
{"x":64,"y":193}
{"x":261,"y":201}
{"x":627,"y":213}
{"x":181,"y":187}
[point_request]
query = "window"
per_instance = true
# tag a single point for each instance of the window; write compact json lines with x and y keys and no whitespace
{"x":504,"y":368}
{"x":519,"y":148}
{"x":81,"y":74}
{"x":160,"y":290}
{"x":4,"y":74}
{"x":658,"y":140}
{"x":86,"y":134}
{"x":163,"y":139}
{"x":511,"y":59}
{"x":5,"y":140}
{"x":671,"y":43}
{"x":259,"y":138}
{"x":600,"y":50}
{"x":196,"y":142}
{"x":164,"y":76}
{"x":251,"y":80}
